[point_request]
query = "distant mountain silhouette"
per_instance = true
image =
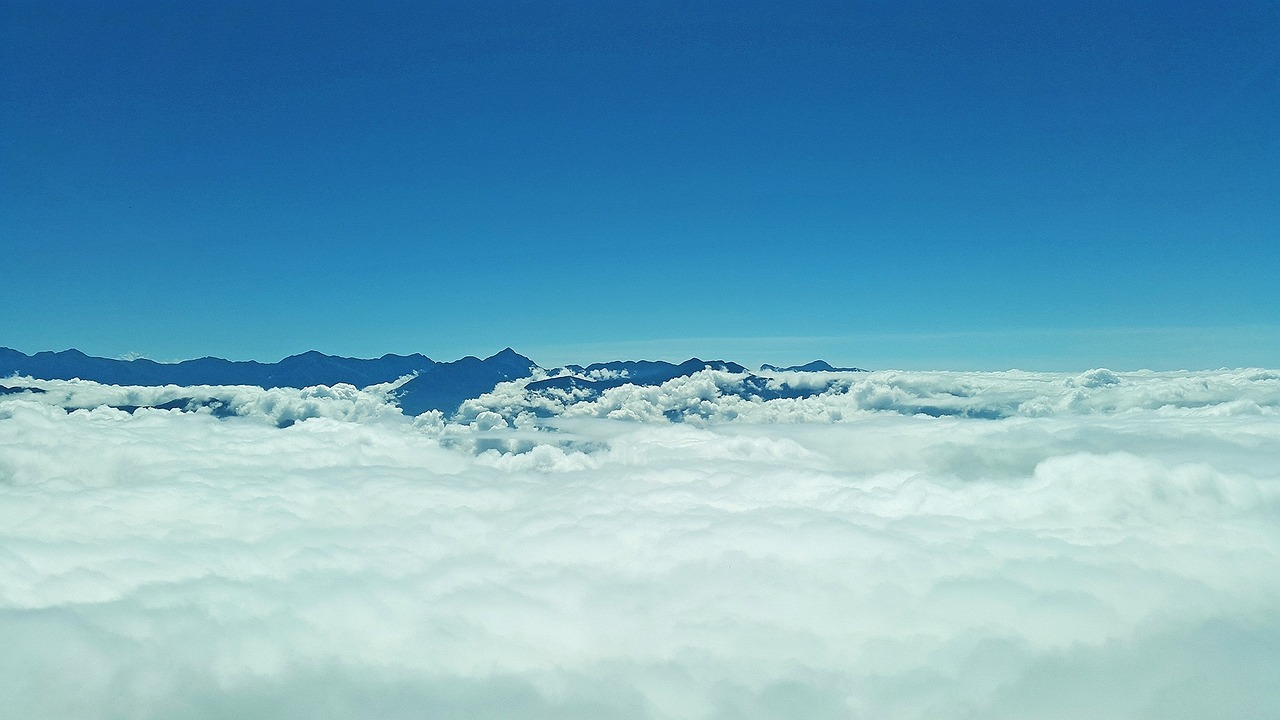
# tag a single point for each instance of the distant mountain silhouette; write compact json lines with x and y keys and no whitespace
{"x":587,"y":383}
{"x":815,"y":366}
{"x":309,"y":368}
{"x":438,"y":386}
{"x":633,"y":372}
{"x":442,"y":386}
{"x":445,"y":386}
{"x":6,"y":390}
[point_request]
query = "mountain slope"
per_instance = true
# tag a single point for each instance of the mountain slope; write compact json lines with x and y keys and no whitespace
{"x":445,"y":386}
{"x":442,"y":386}
{"x":815,"y":366}
{"x":306,"y":369}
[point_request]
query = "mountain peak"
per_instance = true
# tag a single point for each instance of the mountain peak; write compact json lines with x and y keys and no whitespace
{"x":815,"y":366}
{"x":509,"y":355}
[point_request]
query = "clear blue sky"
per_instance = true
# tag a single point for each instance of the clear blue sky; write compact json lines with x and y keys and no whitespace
{"x":980,"y":185}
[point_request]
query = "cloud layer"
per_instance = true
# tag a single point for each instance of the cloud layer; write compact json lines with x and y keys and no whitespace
{"x":901,"y":545}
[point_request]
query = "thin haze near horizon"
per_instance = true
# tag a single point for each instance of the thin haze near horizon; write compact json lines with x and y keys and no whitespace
{"x":1042,"y":185}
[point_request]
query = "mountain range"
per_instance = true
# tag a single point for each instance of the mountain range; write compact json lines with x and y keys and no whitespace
{"x":435,"y":385}
{"x":815,"y":366}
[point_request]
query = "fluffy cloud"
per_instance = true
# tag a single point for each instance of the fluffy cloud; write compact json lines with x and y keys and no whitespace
{"x":279,"y":406}
{"x":715,"y":396}
{"x":903,"y":545}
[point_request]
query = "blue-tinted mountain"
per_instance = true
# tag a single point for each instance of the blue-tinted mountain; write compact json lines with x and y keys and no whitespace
{"x":633,"y":372}
{"x":541,"y":397}
{"x":445,"y":386}
{"x":306,"y":369}
{"x":438,"y":386}
{"x":6,"y":390}
{"x":815,"y":366}
{"x":442,"y":386}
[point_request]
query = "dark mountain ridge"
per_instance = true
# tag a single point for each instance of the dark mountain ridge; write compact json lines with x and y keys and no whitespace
{"x":602,"y":376}
{"x":436,"y":385}
{"x":445,"y":386}
{"x":815,"y":366}
{"x":303,"y":370}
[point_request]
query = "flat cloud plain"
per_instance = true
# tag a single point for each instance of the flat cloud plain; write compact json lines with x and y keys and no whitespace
{"x":902,"y":545}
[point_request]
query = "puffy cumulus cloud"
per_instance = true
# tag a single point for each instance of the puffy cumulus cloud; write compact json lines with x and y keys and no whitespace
{"x":807,"y":397}
{"x":281,"y":406}
{"x":1101,"y":547}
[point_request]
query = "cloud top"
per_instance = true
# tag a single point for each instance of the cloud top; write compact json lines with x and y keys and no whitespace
{"x":894,"y":545}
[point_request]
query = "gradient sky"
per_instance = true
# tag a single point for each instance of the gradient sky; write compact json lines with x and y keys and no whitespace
{"x":1038,"y":185}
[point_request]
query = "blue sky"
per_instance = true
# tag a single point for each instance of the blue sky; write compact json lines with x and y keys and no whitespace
{"x":1036,"y":185}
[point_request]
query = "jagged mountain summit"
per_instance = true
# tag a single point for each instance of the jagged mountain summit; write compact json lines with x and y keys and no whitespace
{"x":437,"y":385}
{"x":815,"y":366}
{"x":602,"y":376}
{"x":442,"y":386}
{"x":303,"y":370}
{"x":445,"y":386}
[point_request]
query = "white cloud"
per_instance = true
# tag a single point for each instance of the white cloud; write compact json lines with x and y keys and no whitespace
{"x":715,"y":396}
{"x":1107,"y":549}
{"x":280,"y":406}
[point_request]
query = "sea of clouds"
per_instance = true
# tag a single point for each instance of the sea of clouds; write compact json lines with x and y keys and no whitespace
{"x":895,"y":545}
